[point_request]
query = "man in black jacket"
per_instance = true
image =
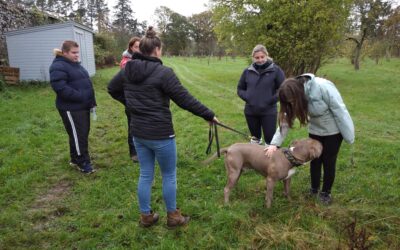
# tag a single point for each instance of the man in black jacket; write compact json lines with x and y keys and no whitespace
{"x":75,"y":98}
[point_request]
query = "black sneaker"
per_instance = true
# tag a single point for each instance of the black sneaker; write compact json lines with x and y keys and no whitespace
{"x":312,"y":193}
{"x":74,"y":165}
{"x":134,"y":158}
{"x":87,"y":168}
{"x":255,"y":140}
{"x":325,"y":198}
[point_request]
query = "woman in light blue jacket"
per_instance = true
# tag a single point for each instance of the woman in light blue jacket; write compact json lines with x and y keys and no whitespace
{"x":315,"y":101}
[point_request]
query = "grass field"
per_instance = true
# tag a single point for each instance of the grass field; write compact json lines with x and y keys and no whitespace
{"x":44,"y":204}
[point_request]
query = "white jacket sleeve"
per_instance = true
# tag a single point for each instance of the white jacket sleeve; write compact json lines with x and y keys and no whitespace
{"x":340,"y":114}
{"x":280,"y":135}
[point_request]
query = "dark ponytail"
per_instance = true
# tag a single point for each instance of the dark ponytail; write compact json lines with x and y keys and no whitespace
{"x":149,"y":42}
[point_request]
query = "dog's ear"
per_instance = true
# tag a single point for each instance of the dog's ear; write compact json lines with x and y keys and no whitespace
{"x":315,"y":149}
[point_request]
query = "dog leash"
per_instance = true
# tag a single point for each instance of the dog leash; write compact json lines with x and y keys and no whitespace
{"x":352,"y":163}
{"x":211,"y":131}
{"x":214,"y":131}
{"x":232,"y":129}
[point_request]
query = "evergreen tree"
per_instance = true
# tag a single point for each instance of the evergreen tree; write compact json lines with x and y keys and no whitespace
{"x":124,"y":19}
{"x":91,"y":12}
{"x":41,"y":4}
{"x":175,"y":30}
{"x":80,"y":15}
{"x":102,"y":15}
{"x":65,"y":7}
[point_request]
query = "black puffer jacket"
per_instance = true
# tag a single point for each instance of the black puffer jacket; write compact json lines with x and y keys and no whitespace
{"x":258,"y":88}
{"x":145,"y":87}
{"x":72,"y":84}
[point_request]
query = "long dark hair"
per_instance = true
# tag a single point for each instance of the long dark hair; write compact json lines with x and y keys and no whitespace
{"x":293,"y":102}
{"x":132,"y":41}
{"x":149,"y":42}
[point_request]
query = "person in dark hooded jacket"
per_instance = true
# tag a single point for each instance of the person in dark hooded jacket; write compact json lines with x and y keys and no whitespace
{"x":258,"y":87}
{"x":75,"y":98}
{"x":146,"y":87}
{"x":133,"y":46}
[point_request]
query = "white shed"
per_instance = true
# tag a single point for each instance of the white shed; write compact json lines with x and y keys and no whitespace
{"x":31,"y":49}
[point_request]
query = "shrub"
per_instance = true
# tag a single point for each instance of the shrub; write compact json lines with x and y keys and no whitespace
{"x":2,"y":83}
{"x":104,"y":49}
{"x":33,"y":83}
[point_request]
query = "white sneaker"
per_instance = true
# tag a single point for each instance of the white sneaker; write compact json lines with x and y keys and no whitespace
{"x":254,"y":140}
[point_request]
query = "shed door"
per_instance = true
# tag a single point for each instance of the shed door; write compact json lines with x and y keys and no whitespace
{"x":80,"y":39}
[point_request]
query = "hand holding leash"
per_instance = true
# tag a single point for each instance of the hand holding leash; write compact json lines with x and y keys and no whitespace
{"x":213,"y":131}
{"x":214,"y":120}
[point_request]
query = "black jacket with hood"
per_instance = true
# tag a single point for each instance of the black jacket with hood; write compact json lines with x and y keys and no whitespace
{"x":145,"y":87}
{"x":258,"y":88}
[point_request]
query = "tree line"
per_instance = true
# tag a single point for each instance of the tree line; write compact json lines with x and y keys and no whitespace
{"x":301,"y":35}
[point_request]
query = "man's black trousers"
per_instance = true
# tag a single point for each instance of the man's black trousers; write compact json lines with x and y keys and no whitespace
{"x":77,"y":125}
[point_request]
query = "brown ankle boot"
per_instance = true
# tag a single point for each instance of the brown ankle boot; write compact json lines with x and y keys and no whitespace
{"x":175,"y":219}
{"x":147,"y":220}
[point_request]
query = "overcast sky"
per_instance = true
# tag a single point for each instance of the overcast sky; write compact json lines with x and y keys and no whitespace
{"x":144,"y":9}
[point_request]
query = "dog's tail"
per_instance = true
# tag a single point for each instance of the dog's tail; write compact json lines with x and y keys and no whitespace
{"x":214,"y":156}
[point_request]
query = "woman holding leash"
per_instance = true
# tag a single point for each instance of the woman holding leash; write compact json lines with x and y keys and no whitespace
{"x":147,"y":86}
{"x":258,"y":86}
{"x":315,"y":101}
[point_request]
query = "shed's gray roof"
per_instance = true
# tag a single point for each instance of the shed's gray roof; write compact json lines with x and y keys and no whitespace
{"x":48,"y":27}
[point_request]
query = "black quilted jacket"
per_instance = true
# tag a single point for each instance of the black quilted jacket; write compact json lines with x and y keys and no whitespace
{"x":146,"y":87}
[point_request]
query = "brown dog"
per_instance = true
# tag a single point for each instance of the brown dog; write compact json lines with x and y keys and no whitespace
{"x":240,"y":156}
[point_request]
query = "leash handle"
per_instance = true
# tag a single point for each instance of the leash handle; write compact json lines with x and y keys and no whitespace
{"x":216,"y":140}
{"x":352,"y":155}
{"x":210,"y":139}
{"x":211,"y":132}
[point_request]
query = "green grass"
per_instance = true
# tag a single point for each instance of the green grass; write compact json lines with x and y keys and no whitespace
{"x":45,"y":204}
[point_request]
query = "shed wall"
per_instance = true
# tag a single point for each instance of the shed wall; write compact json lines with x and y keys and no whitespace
{"x":33,"y":52}
{"x":85,"y":41}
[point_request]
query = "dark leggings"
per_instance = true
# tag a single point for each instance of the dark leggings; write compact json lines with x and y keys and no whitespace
{"x":131,"y":145}
{"x":331,"y":145}
{"x":266,"y":122}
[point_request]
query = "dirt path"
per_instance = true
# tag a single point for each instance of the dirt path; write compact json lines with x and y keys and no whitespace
{"x":49,"y":205}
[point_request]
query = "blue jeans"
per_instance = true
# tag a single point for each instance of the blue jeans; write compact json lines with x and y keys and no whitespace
{"x":165,"y":153}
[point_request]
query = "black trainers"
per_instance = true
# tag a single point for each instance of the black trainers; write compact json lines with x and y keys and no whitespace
{"x":312,"y":193}
{"x":325,"y":198}
{"x":255,"y":140}
{"x":74,"y":165}
{"x":134,"y":158}
{"x":87,"y":168}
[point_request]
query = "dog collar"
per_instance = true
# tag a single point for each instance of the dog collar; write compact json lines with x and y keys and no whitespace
{"x":290,"y":157}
